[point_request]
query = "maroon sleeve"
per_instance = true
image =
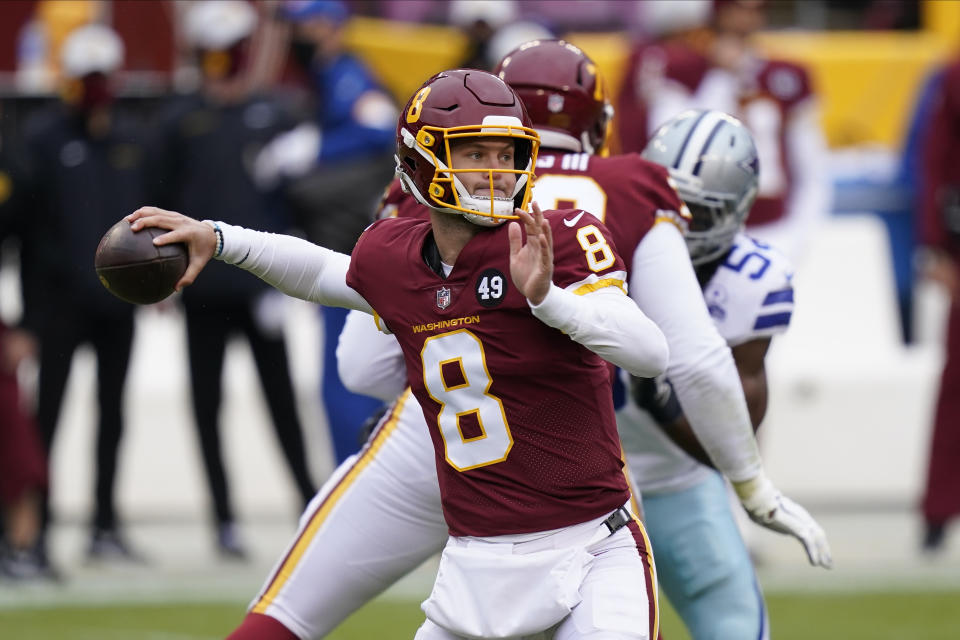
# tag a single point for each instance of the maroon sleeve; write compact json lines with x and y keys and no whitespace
{"x":675,"y":60}
{"x":355,"y":272}
{"x":631,"y":112}
{"x":582,"y":249}
{"x":392,"y":196}
{"x":658,"y":187}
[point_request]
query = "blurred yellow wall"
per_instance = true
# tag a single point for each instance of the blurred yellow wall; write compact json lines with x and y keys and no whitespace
{"x":405,"y":54}
{"x":867,"y":81}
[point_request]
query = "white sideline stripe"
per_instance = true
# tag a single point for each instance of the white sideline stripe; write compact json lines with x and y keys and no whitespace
{"x":120,"y":592}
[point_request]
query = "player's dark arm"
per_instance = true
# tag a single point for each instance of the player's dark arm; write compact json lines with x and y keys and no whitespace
{"x":750,"y":357}
{"x":663,"y":406}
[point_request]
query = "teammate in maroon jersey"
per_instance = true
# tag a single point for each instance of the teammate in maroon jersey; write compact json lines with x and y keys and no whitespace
{"x":717,"y":67}
{"x":504,"y":329}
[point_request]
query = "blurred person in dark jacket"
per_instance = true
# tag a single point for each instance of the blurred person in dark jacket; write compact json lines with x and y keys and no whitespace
{"x":87,"y":168}
{"x":208,"y":143}
{"x":338,"y":174}
{"x":23,"y":465}
{"x":939,"y":235}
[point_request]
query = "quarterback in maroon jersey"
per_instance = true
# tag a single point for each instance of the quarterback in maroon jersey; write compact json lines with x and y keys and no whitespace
{"x":635,"y":199}
{"x":638,"y":204}
{"x":504,"y":329}
{"x":487,"y":365}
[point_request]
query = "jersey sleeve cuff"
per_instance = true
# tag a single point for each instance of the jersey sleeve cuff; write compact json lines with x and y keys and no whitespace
{"x":557,"y":308}
{"x":237,"y":243}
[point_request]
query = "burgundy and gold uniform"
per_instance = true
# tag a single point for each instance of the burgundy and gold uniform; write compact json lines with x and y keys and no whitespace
{"x":627,"y":193}
{"x":766,"y":96}
{"x":520,"y":416}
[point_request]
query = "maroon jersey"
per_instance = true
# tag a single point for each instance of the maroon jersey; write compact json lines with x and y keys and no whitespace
{"x":681,"y":60}
{"x":520,"y":415}
{"x":627,"y":193}
{"x":764,"y":97}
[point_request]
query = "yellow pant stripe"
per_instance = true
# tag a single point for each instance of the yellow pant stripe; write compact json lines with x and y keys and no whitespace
{"x":653,"y":578}
{"x":319,"y":516}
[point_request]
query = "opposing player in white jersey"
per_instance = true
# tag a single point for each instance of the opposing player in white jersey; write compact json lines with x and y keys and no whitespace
{"x":703,"y":565}
{"x":379,"y":516}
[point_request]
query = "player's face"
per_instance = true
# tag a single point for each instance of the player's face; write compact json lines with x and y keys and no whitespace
{"x":494,"y":155}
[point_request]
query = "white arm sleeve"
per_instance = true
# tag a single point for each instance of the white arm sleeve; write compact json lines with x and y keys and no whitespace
{"x":608,"y":323}
{"x":294,"y":266}
{"x":701,"y":368}
{"x":811,"y":193}
{"x":369,"y":361}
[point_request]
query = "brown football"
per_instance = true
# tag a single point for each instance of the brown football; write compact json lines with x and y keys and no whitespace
{"x":132,"y":268}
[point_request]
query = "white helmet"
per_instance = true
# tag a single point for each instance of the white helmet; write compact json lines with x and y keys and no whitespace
{"x":217,"y":25}
{"x":712,"y":160}
{"x":93,"y":48}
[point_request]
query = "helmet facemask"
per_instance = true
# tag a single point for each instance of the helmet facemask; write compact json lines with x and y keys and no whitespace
{"x":713,"y":165}
{"x":716,"y":217}
{"x":447,"y":191}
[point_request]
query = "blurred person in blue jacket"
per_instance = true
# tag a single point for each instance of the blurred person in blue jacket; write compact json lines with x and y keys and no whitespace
{"x":333,"y":199}
{"x":206,"y":153}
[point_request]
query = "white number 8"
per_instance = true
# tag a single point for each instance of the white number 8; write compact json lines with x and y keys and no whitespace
{"x":455,"y":375}
{"x":594,"y":246}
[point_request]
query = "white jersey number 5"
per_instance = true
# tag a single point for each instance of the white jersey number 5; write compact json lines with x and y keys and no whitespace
{"x":455,"y":375}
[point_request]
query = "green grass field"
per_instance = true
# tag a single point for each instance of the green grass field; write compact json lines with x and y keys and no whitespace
{"x":914,"y":615}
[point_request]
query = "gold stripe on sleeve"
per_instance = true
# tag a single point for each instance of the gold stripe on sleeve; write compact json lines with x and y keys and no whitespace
{"x":600,"y":284}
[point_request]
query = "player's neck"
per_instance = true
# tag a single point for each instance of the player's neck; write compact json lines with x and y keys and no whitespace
{"x":451,"y":232}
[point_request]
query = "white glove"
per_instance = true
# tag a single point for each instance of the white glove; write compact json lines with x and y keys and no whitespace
{"x":769,"y":508}
{"x":289,"y":155}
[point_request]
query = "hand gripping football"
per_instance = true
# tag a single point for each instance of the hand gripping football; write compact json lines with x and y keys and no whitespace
{"x":132,"y":268}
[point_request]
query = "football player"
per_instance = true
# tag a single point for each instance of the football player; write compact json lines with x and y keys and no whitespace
{"x":718,"y":66}
{"x":507,"y":331}
{"x":703,"y":564}
{"x":390,"y":485}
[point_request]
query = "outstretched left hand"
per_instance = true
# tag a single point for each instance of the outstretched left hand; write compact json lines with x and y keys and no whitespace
{"x":531,"y":263}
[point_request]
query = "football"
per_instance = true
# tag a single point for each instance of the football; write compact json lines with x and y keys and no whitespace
{"x":132,"y":268}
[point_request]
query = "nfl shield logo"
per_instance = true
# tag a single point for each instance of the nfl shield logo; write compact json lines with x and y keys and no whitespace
{"x":554,"y":103}
{"x":443,"y":297}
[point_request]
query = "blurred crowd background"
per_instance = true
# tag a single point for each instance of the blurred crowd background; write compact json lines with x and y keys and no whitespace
{"x":281,"y":116}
